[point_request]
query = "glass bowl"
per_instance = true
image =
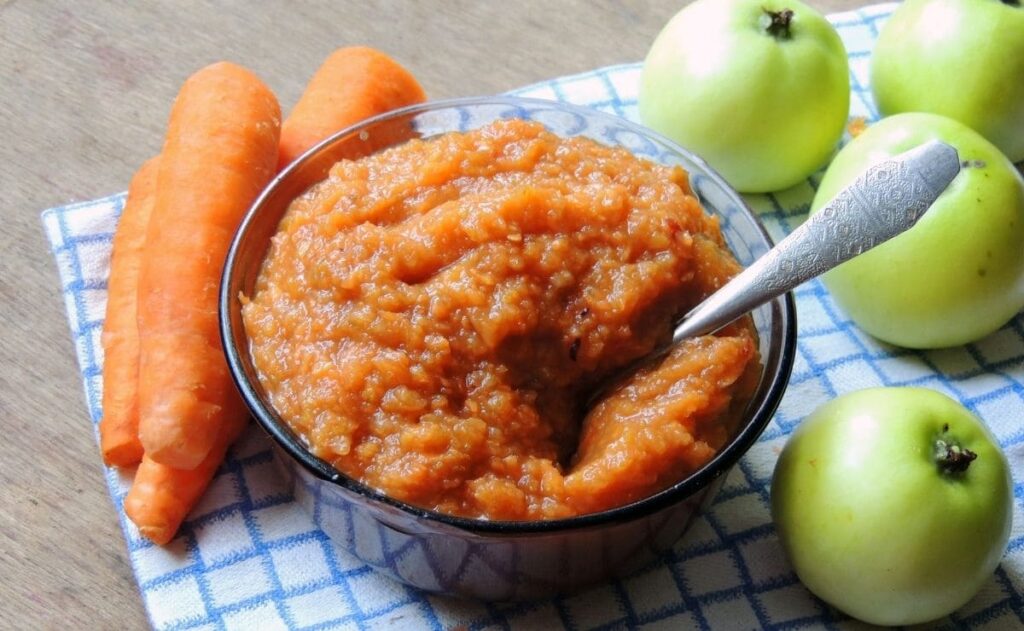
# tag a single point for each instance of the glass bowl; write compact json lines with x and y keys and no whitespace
{"x":498,"y":560}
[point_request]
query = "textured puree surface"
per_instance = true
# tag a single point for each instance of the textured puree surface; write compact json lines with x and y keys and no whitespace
{"x":430,"y":318}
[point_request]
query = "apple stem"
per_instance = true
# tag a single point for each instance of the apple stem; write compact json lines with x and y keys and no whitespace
{"x":951,"y":458}
{"x":778,"y":24}
{"x":1012,"y":3}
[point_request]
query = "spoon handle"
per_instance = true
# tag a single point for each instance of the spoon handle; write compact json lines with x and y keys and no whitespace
{"x":887,"y":199}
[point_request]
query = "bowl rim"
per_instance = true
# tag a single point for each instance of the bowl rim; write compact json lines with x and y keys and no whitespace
{"x":291,"y":443}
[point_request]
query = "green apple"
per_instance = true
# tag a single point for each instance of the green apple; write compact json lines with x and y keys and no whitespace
{"x":960,"y":58}
{"x":958,"y":274}
{"x":893,"y":504}
{"x":758,"y":88}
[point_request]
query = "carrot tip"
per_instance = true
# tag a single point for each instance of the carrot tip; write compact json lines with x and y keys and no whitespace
{"x":157,"y":534}
{"x":123,"y":456}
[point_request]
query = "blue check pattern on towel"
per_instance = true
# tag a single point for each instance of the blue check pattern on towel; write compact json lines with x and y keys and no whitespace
{"x":250,"y":557}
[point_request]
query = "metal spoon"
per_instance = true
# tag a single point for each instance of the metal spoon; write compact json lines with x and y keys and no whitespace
{"x":884,"y":201}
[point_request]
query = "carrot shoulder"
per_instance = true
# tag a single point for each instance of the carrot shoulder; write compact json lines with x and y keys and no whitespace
{"x":352,"y":84}
{"x":161,"y":497}
{"x":119,"y":427}
{"x":219,"y":153}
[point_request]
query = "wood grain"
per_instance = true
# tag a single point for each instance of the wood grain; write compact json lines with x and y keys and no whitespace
{"x":87,"y":87}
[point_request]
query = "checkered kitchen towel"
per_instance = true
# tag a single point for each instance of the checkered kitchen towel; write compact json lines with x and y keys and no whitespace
{"x":250,"y":557}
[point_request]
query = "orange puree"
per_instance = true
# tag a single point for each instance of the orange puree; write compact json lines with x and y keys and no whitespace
{"x":430,"y":319}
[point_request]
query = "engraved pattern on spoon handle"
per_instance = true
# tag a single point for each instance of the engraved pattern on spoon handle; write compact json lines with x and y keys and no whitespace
{"x":887,"y":199}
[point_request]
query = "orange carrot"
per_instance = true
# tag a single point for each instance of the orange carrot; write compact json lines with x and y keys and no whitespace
{"x":220,"y":151}
{"x":161,"y":497}
{"x":119,"y":427}
{"x":352,"y":84}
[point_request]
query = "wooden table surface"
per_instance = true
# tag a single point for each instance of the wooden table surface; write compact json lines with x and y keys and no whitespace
{"x":85,"y":92}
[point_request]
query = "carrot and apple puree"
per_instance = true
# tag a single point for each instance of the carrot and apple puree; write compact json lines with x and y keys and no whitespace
{"x":430,"y":319}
